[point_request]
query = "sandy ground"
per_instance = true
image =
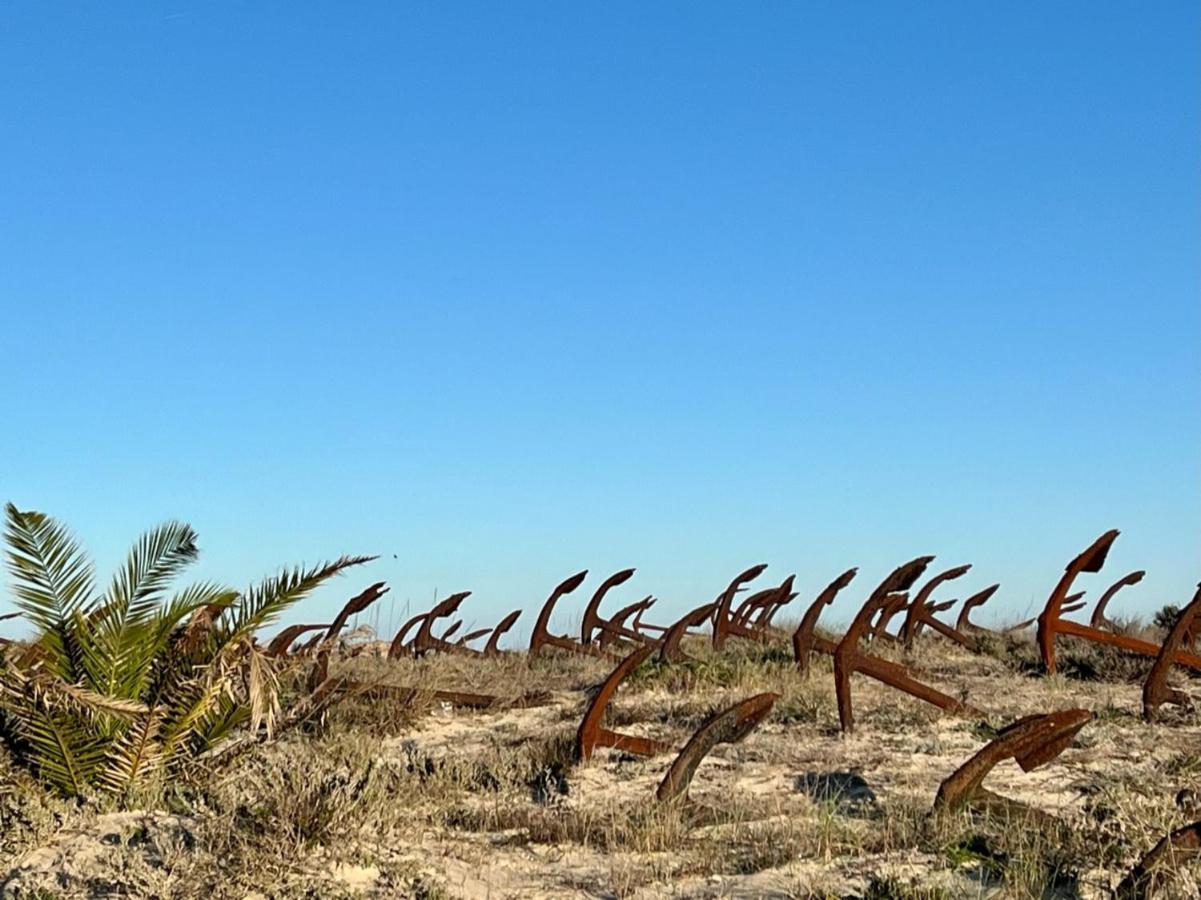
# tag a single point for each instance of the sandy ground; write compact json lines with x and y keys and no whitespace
{"x":816,"y":796}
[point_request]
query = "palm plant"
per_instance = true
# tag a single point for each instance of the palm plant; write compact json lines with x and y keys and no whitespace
{"x":120,"y":686}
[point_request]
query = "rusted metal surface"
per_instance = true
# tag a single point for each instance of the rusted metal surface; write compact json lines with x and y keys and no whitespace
{"x":1071,"y":603}
{"x":1156,"y":690}
{"x":893,"y":605}
{"x":1160,"y":863}
{"x":355,"y":605}
{"x":723,"y":627}
{"x":669,"y":649}
{"x":752,"y":605}
{"x":614,"y":630}
{"x":471,"y":636}
{"x":400,"y":644}
{"x":933,"y":610}
{"x":785,"y":596}
{"x":642,"y":627}
{"x":425,"y":642}
{"x":919,"y":611}
{"x":805,"y":639}
{"x":1098,"y":619}
{"x":923,"y":615}
{"x":492,"y":648}
{"x":592,"y":732}
{"x":726,"y":727}
{"x":848,"y":659}
{"x":309,"y":646}
{"x":756,"y":611}
{"x":1051,"y":623}
{"x":541,"y":637}
{"x":618,"y":621}
{"x":592,"y":621}
{"x":608,"y":631}
{"x":963,"y":624}
{"x":1031,"y":740}
{"x":281,"y":643}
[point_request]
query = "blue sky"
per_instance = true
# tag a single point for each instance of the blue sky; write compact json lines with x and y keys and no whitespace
{"x":510,"y":290}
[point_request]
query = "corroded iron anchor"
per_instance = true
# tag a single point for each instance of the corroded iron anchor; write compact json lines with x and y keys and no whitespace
{"x":1159,"y":863}
{"x":848,"y":659}
{"x":964,"y":624}
{"x":757,"y":611}
{"x":1098,"y":618}
{"x":805,"y":639}
{"x":1071,"y":603}
{"x":593,"y":733}
{"x":1156,"y":690}
{"x":607,"y":631}
{"x":1031,"y":741}
{"x":921,"y":612}
{"x":1051,"y":624}
{"x":541,"y":637}
{"x":723,"y":621}
{"x":425,"y":640}
{"x":727,"y":727}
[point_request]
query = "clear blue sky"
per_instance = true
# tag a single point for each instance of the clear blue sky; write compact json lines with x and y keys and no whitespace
{"x":509,"y":290}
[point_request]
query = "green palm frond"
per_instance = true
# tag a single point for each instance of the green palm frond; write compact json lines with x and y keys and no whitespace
{"x":194,"y":706}
{"x":159,"y":555}
{"x":52,"y":577}
{"x":150,"y":654}
{"x":264,"y":603}
{"x":219,"y":726}
{"x":62,"y":753}
{"x":131,"y":601}
{"x":54,"y":722}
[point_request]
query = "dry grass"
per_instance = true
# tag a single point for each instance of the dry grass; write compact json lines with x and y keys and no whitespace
{"x":388,"y":799}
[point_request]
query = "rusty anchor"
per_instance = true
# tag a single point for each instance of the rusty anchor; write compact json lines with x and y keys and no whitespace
{"x":921,"y":612}
{"x":848,"y":659}
{"x":592,"y":732}
{"x":618,"y":621}
{"x":1156,"y":690}
{"x":723,"y":624}
{"x":425,"y":641}
{"x":612,"y":630}
{"x":1150,"y":873}
{"x":963,"y":624}
{"x":1071,"y":603}
{"x":492,"y":648}
{"x":1051,"y":624}
{"x":890,"y":609}
{"x":1031,"y":741}
{"x":805,"y":639}
{"x":669,"y":648}
{"x":756,"y":611}
{"x":727,"y":727}
{"x":541,"y":637}
{"x":282,"y":642}
{"x":1098,"y":619}
{"x":400,"y":645}
{"x":353,"y":606}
